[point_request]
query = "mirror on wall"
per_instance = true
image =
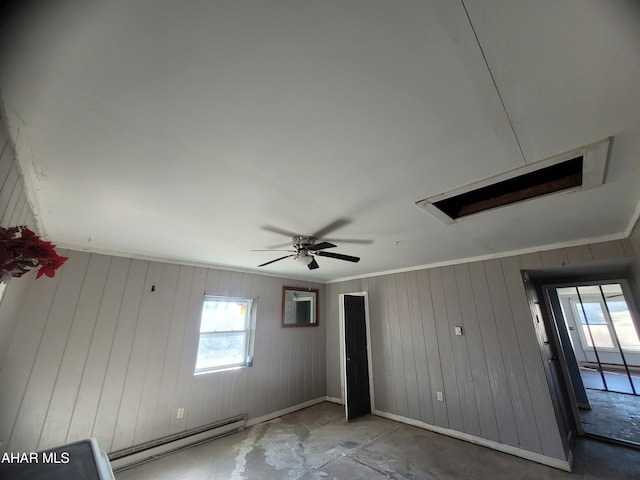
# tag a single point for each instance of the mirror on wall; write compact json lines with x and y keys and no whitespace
{"x":299,"y":307}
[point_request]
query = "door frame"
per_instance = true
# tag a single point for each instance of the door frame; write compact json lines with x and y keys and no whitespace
{"x":343,"y":355}
{"x":570,"y":387}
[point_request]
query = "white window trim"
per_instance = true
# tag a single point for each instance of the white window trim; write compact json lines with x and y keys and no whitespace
{"x":579,"y":324}
{"x":248,"y":331}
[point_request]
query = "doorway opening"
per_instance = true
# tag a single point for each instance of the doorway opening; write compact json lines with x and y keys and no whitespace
{"x":355,"y":355}
{"x":601,"y":346}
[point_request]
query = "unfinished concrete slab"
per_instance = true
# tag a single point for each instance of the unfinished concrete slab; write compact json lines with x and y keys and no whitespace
{"x":317,"y":443}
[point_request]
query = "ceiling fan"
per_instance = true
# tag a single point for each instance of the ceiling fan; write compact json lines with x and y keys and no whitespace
{"x":307,"y":247}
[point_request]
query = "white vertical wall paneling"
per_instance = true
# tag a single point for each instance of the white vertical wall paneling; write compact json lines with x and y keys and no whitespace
{"x":495,"y":361}
{"x":607,"y":250}
{"x":184,"y":378}
{"x":385,"y":390}
{"x":400,"y":390}
{"x":37,"y":396}
{"x":295,"y":363}
{"x":14,"y":204}
{"x":9,"y":185}
{"x":488,"y":427}
{"x":94,"y":375}
{"x":436,"y":377}
{"x":16,"y":194}
{"x":158,"y":316}
{"x":543,"y":413}
{"x":273,"y":386}
{"x":423,"y":377}
{"x":516,"y":374}
{"x":627,"y":247}
{"x":332,"y":324}
{"x":21,"y":361}
{"x":135,"y":373}
{"x":5,"y":145}
{"x":381,"y":362}
{"x":493,"y":376}
{"x":284,"y":348}
{"x":531,"y":261}
{"x":408,"y":354}
{"x":466,"y":386}
{"x":164,"y":410}
{"x":577,"y":255}
{"x":15,"y":293}
{"x":111,"y":397}
{"x":74,"y":360}
{"x":266,"y":365}
{"x":554,"y":258}
{"x":98,"y":353}
{"x":447,"y":359}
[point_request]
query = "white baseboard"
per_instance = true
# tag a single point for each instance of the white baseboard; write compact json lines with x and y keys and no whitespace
{"x":334,"y":400}
{"x":284,"y":411}
{"x":518,"y":452}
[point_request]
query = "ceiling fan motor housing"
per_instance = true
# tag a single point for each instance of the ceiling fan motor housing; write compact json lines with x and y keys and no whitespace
{"x":302,"y":242}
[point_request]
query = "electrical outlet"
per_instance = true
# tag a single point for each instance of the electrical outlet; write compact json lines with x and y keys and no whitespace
{"x":440,"y":397}
{"x":180,"y":413}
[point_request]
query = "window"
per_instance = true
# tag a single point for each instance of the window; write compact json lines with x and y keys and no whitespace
{"x":603,"y":317}
{"x":227,"y":325}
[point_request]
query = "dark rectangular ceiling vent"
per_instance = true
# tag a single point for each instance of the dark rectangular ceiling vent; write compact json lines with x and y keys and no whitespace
{"x":561,"y":176}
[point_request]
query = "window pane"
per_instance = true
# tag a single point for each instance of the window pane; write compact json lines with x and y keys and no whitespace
{"x":622,"y":322}
{"x":594,"y":312}
{"x":600,"y":335}
{"x":597,"y":322}
{"x":223,"y":315}
{"x":221,"y":349}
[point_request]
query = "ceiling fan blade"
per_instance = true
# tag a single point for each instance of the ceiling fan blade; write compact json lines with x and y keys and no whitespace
{"x":271,"y":250}
{"x":278,"y":230}
{"x":321,"y":246}
{"x":341,"y":222}
{"x":280,"y":245}
{"x":346,"y":240}
{"x":277,"y":259}
{"x":313,"y":264}
{"x":339,"y":256}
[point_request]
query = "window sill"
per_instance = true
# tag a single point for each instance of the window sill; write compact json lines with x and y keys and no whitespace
{"x":222,"y":369}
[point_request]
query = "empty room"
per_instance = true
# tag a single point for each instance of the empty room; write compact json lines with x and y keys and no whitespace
{"x":320,"y":239}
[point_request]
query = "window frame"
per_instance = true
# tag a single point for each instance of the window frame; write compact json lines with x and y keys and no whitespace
{"x":608,"y":321}
{"x":248,"y":333}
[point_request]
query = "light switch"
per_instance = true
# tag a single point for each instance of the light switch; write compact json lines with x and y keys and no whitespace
{"x":458,"y":330}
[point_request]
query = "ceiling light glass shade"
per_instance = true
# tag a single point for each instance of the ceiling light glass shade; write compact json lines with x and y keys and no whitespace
{"x":304,"y":259}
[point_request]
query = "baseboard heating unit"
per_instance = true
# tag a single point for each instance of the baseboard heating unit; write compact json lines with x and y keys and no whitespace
{"x":129,"y":457}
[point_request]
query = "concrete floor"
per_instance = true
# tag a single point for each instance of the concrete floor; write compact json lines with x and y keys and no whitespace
{"x":612,"y":415}
{"x":316,"y":443}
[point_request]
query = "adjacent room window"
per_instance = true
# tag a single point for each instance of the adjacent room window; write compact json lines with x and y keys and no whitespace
{"x":227,"y":328}
{"x":604,"y":317}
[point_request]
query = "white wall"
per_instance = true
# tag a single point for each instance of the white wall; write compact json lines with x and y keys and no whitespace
{"x":492,"y":377}
{"x":14,"y":210}
{"x":97,"y":353}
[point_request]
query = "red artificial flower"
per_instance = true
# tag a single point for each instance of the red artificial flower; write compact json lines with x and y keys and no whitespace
{"x":18,"y":254}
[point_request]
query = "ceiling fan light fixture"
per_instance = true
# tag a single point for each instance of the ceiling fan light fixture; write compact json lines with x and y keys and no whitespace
{"x":304,"y":259}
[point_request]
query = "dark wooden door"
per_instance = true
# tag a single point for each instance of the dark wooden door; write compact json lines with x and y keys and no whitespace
{"x":357,"y":364}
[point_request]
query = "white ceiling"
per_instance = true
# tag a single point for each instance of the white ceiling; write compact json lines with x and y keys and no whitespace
{"x":177,"y":130}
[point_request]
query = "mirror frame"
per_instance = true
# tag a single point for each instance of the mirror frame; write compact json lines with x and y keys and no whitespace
{"x":314,"y":307}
